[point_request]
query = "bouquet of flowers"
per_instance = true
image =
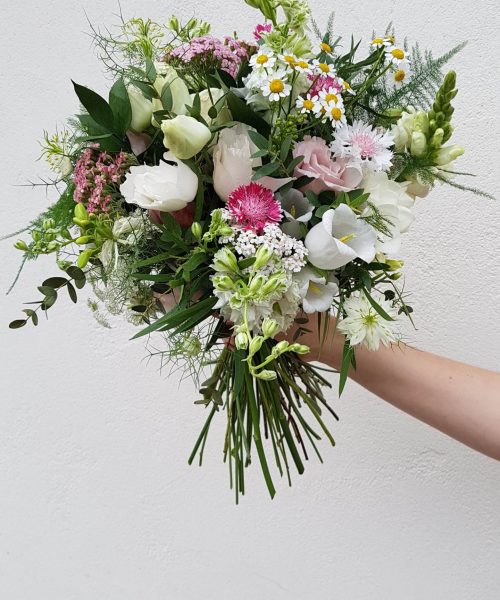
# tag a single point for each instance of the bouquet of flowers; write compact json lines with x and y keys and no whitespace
{"x":229,"y":189}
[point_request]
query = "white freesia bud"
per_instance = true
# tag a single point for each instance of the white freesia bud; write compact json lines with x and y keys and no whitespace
{"x":166,"y":187}
{"x":185,"y":136}
{"x":270,"y":328}
{"x":448,"y":154}
{"x":178,"y":88}
{"x":142,"y":110}
{"x":418,"y":143}
{"x":255,"y":345}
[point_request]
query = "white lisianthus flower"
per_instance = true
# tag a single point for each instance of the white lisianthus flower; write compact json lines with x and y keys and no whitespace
{"x":165,"y":187}
{"x":363,"y":324}
{"x":393,"y":202}
{"x":233,"y":162}
{"x":142,"y":110}
{"x":297,"y":209}
{"x":185,"y":136}
{"x":317,"y":293}
{"x":340,"y":238}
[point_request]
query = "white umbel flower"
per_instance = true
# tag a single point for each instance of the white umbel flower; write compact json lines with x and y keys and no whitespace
{"x":363,"y":324}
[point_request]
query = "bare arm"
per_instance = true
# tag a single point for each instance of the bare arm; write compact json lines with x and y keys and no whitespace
{"x":460,"y":400}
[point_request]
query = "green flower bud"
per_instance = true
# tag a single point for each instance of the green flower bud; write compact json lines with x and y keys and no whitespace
{"x":255,"y":345}
{"x":36,"y":235}
{"x":241,"y":341}
{"x":21,"y":245}
{"x":48,"y":224}
{"x":84,"y":239}
{"x":256,"y":285}
{"x":223,"y":283}
{"x":447,"y":154}
{"x":418,"y":143}
{"x":299,"y":349}
{"x":225,"y":261}
{"x":196,"y":230}
{"x":394,"y":265}
{"x":191,"y":346}
{"x":81,"y":213}
{"x":280,"y":348}
{"x":262,"y":257}
{"x":265,"y":375}
{"x":270,"y":328}
{"x":437,"y":139}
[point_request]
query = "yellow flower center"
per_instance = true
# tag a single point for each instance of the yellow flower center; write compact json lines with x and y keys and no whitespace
{"x":302,"y":64}
{"x":276,"y":86}
{"x":346,"y":238}
{"x":289,"y":59}
{"x":399,"y":75}
{"x":336,"y":114}
{"x":262,"y":59}
{"x":377,"y":41}
{"x":325,"y":47}
{"x":391,"y":39}
{"x":308,"y":104}
{"x":398,"y":53}
{"x":346,"y":85}
{"x":314,"y":288}
{"x":331,"y":98}
{"x":293,"y":211}
{"x":324,"y":67}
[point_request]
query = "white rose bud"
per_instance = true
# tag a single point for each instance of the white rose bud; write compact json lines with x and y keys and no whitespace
{"x":185,"y":136}
{"x":165,"y":187}
{"x":142,"y":110}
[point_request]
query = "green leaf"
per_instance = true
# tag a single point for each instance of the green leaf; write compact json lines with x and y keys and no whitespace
{"x":121,"y":108}
{"x":166,"y":97}
{"x":285,"y":148}
{"x":244,"y":114}
{"x":291,"y":166}
{"x":151,"y":73}
{"x":72,"y":292}
{"x":47,"y":290}
{"x":146,"y":88}
{"x":54,"y":282}
{"x":49,"y":301}
{"x":18,"y":324}
{"x":259,"y":140}
{"x":77,"y":275}
{"x":96,"y":106}
{"x":265,"y":170}
{"x":377,"y":306}
{"x":347,"y":356}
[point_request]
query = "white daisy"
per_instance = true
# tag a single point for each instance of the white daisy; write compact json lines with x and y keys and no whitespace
{"x":330,"y":95}
{"x":302,"y":66}
{"x":288,"y":59}
{"x":323,"y":68}
{"x":363,"y":324}
{"x":382,"y":42}
{"x":364,"y":146}
{"x":335,"y":113}
{"x":276,"y":86}
{"x":308,"y":104}
{"x":401,"y":74}
{"x":346,"y":86}
{"x":264,"y":59}
{"x":396,"y":56}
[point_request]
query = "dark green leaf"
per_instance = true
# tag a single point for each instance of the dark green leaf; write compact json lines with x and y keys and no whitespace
{"x":244,"y":114}
{"x":291,"y":166}
{"x":72,"y":292}
{"x":166,"y":97}
{"x":377,"y":307}
{"x":265,"y":170}
{"x":17,"y":324}
{"x":54,"y":282}
{"x":96,"y":106}
{"x":285,"y":148}
{"x":259,"y":140}
{"x":121,"y":108}
{"x":47,"y":291}
{"x":150,"y":70}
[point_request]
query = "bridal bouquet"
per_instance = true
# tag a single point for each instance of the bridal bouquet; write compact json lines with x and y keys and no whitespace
{"x":229,"y":190}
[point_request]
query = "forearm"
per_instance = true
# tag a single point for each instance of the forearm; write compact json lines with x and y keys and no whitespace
{"x":459,"y":400}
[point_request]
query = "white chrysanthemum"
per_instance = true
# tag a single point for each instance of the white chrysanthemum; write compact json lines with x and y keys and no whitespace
{"x":302,"y":66}
{"x":363,"y":324}
{"x":288,"y":59}
{"x":276,"y":86}
{"x":401,"y":74}
{"x":364,"y":146}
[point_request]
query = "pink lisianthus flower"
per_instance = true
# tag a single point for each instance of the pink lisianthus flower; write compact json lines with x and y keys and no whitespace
{"x":260,"y":29}
{"x":327,"y":174}
{"x":254,"y":206}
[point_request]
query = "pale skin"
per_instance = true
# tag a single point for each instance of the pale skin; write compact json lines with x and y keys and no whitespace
{"x":460,"y":400}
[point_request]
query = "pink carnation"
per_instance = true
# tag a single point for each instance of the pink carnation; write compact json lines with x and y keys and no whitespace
{"x":254,"y":206}
{"x":327,"y":174}
{"x":260,"y":29}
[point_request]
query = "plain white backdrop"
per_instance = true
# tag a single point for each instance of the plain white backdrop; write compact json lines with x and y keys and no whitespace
{"x":97,"y":500}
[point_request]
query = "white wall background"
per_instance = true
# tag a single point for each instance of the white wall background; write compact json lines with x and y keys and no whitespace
{"x":96,"y":499}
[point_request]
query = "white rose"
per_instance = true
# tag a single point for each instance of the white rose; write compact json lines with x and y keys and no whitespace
{"x":185,"y":136}
{"x":339,"y":239}
{"x":233,"y":162}
{"x":394,"y":203}
{"x":166,"y":187}
{"x":142,"y":110}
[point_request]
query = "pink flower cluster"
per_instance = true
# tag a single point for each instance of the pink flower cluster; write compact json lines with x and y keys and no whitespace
{"x":227,"y":54}
{"x":95,"y":175}
{"x":254,"y":206}
{"x":324,"y":83}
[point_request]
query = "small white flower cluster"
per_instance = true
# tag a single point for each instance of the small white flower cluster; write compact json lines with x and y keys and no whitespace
{"x":290,"y":253}
{"x":395,"y":56}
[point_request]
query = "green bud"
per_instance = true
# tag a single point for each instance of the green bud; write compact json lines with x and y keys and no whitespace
{"x":437,"y":139}
{"x":81,"y":213}
{"x":280,"y":348}
{"x":299,"y":349}
{"x":394,"y":265}
{"x":225,"y":261}
{"x":36,"y":235}
{"x":191,"y":346}
{"x":21,"y":245}
{"x":84,"y":239}
{"x":270,"y":328}
{"x":48,"y":224}
{"x":262,"y":257}
{"x":256,"y":285}
{"x":255,"y":345}
{"x":196,"y":230}
{"x":84,"y":258}
{"x":223,"y":283}
{"x":265,"y":375}
{"x":447,"y":154}
{"x":241,"y":341}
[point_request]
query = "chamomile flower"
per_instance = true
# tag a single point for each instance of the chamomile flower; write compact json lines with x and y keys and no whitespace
{"x":346,"y":87}
{"x":264,"y":59}
{"x":289,"y":59}
{"x":336,"y":114}
{"x":276,"y":86}
{"x":323,"y":68}
{"x":401,"y":74}
{"x":364,"y":146}
{"x":302,"y":66}
{"x":396,"y":55}
{"x":380,"y":42}
{"x":330,"y":95}
{"x":308,"y":104}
